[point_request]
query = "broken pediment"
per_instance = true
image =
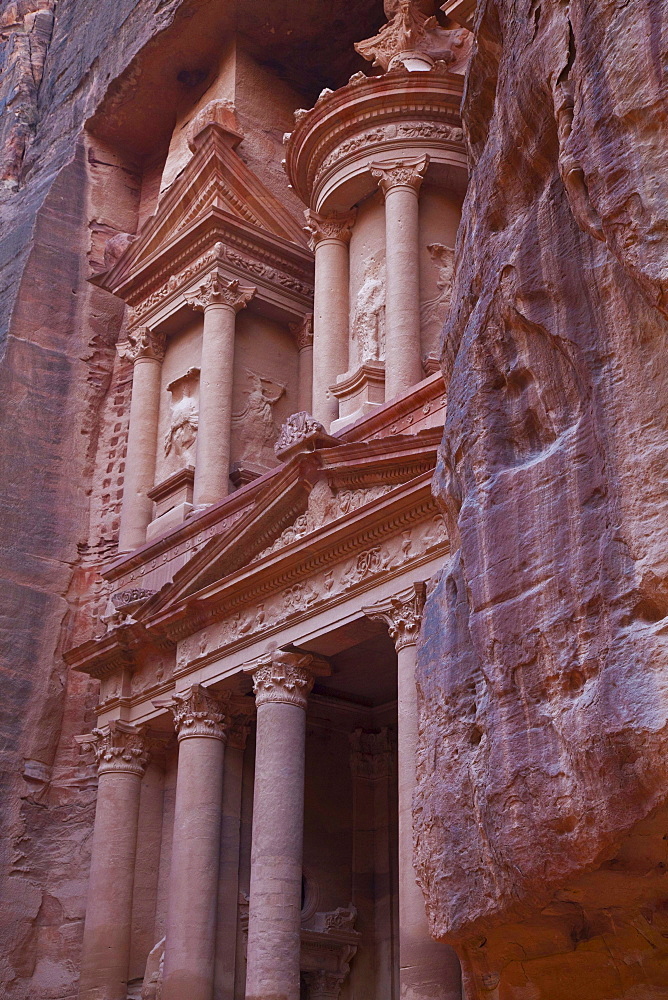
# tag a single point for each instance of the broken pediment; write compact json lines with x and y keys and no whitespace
{"x":214,"y":179}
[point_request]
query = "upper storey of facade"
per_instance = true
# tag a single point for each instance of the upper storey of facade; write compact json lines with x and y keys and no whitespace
{"x":295,"y":272}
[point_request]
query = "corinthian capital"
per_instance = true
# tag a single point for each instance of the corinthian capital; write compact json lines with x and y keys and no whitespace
{"x":199,"y":712}
{"x":303,"y":332}
{"x":117,"y":746}
{"x":144,"y":343}
{"x":216,"y":289}
{"x":400,"y":173}
{"x":402,"y":614}
{"x":286,"y":678}
{"x":328,"y":227}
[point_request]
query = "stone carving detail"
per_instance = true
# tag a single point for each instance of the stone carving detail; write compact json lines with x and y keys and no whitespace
{"x":254,"y":424}
{"x":328,"y":227}
{"x":152,"y":985}
{"x":183,"y":417}
{"x":144,"y":343}
{"x":368,"y":323}
{"x":341,"y":919}
{"x":303,"y":332}
{"x":414,"y":38}
{"x":371,"y":753}
{"x":402,"y":614}
{"x":324,"y":985}
{"x":216,"y":289}
{"x":117,"y":746}
{"x":218,"y":112}
{"x":400,"y":173}
{"x":368,"y":563}
{"x":300,"y":428}
{"x":128,"y":597}
{"x":284,"y":677}
{"x":434,"y":310}
{"x":383,"y":133}
{"x":199,"y":712}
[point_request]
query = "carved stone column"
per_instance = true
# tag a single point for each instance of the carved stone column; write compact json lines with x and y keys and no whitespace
{"x":429,"y":970}
{"x":201,"y":724}
{"x":400,"y":182}
{"x":282,"y":682}
{"x":146,"y":350}
{"x":330,"y":236}
{"x":304,"y":335}
{"x":220,"y":300}
{"x":122,"y":756}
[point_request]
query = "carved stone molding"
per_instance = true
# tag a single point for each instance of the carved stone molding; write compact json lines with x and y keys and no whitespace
{"x":400,"y":173}
{"x":118,"y":747}
{"x":199,"y":712}
{"x":285,"y":678}
{"x":144,"y":343}
{"x":303,"y":332}
{"x":402,"y":614}
{"x":328,"y":227}
{"x":216,"y":289}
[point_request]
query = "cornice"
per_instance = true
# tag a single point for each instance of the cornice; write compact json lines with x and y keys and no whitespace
{"x":368,"y":104}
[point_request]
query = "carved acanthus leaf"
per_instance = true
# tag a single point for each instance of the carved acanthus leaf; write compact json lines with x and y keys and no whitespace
{"x":400,"y":173}
{"x":415,"y":39}
{"x":284,"y":677}
{"x":142,"y":342}
{"x":402,"y":614}
{"x":303,"y":332}
{"x":118,"y":746}
{"x":216,"y":289}
{"x":199,"y":712}
{"x":328,"y":227}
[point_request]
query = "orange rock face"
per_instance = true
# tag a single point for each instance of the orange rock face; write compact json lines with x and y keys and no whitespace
{"x":541,"y":809}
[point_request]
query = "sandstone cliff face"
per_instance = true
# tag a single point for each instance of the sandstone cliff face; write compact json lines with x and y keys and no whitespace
{"x":543,"y":676}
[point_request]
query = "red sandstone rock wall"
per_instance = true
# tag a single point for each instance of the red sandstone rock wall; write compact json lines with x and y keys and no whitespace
{"x":541,"y":809}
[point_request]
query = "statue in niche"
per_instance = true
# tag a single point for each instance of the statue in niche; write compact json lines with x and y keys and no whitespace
{"x":255,"y":423}
{"x":368,"y":325}
{"x":183,"y":419}
{"x":434,"y":310}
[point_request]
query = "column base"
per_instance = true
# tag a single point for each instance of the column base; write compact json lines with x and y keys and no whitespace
{"x":359,"y":392}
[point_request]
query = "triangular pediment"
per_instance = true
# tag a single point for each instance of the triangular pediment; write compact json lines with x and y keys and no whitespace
{"x":309,"y":493}
{"x":215,"y":178}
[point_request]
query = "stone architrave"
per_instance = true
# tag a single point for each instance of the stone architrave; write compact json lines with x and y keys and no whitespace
{"x":427,"y":968}
{"x":220,"y":299}
{"x":329,"y":238}
{"x":145,"y":348}
{"x":201,"y":722}
{"x":400,"y":182}
{"x":122,"y":754}
{"x":282,"y":682}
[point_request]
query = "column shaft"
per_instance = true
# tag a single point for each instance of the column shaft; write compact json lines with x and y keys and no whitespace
{"x":106,"y":943}
{"x":212,"y":465}
{"x":282,"y":682}
{"x":105,"y":952}
{"x":403,"y":365}
{"x":305,"y":397}
{"x":193,"y":882}
{"x":429,"y":970}
{"x":276,"y":858}
{"x":146,"y":350}
{"x":330,"y":236}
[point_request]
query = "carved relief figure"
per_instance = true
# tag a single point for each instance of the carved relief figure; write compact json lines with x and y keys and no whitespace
{"x":435,"y":309}
{"x":255,"y":423}
{"x":368,"y":325}
{"x":183,"y":418}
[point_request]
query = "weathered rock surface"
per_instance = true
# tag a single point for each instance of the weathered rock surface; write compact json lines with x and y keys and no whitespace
{"x":541,"y":809}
